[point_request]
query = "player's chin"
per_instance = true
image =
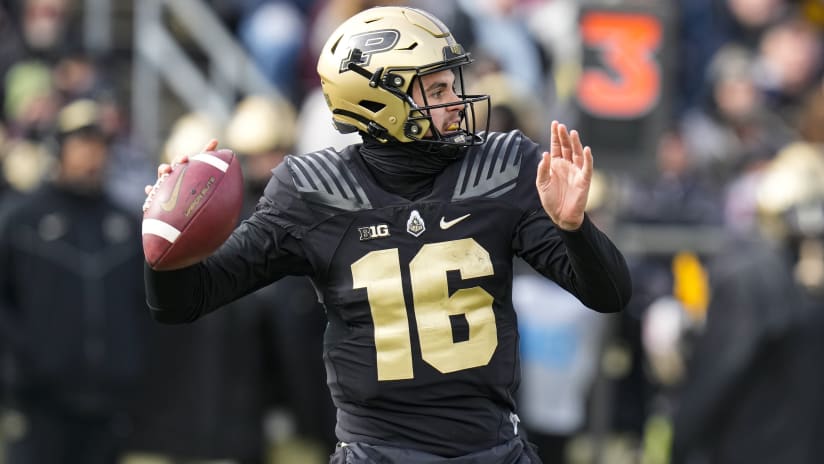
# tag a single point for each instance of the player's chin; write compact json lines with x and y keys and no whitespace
{"x":451,"y":135}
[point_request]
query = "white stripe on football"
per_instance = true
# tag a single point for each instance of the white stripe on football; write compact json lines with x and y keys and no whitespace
{"x":161,"y":229}
{"x":211,"y":159}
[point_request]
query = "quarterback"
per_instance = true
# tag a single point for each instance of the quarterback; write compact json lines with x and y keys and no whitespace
{"x":409,"y":239}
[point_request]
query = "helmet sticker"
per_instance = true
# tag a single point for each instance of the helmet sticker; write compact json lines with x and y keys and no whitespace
{"x":363,"y":46}
{"x":415,"y":225}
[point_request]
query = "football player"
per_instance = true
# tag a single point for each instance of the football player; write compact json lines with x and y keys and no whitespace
{"x":409,"y":238}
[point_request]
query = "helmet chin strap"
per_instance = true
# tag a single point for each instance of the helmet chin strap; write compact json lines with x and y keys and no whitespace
{"x":461,"y":138}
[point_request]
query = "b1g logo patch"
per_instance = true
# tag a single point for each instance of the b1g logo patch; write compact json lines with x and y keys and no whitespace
{"x":363,"y":46}
{"x":373,"y":232}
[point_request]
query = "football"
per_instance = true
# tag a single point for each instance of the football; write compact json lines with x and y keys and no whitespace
{"x":193,"y":211}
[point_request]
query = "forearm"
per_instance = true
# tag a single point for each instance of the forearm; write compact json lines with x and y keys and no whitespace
{"x":252,"y":257}
{"x":172,"y":296}
{"x":585,"y":262}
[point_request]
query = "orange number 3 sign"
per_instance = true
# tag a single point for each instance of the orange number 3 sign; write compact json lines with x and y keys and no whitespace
{"x":628,"y":85}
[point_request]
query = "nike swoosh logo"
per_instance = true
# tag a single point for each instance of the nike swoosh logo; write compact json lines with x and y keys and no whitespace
{"x":171,"y":202}
{"x":447,"y":224}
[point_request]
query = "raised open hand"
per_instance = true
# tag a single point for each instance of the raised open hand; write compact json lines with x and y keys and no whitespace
{"x":564,"y":177}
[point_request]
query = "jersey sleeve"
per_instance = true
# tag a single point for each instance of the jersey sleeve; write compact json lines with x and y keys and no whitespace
{"x":584,"y":262}
{"x":262,"y":249}
{"x":283,"y":205}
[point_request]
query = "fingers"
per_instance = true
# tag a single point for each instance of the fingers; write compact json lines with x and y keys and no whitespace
{"x":164,"y":169}
{"x":561,"y":145}
{"x":577,"y":149}
{"x":150,"y":190}
{"x":566,"y":142}
{"x":555,"y":146}
{"x":586,"y":163}
{"x":211,"y":145}
{"x":163,"y":172}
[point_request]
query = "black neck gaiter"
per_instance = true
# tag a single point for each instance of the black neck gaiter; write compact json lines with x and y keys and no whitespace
{"x":407,"y":169}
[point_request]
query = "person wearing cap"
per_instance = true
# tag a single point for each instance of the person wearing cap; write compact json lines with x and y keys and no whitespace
{"x":752,"y":389}
{"x":72,"y":317}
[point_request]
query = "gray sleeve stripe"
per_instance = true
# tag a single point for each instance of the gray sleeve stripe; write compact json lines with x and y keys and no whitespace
{"x":340,"y":174}
{"x":311,"y":171}
{"x":502,"y":159}
{"x":502,"y":189}
{"x":347,"y":179}
{"x":513,"y":150}
{"x":482,"y":162}
{"x":480,"y":159}
{"x":300,"y":175}
{"x":324,"y":178}
{"x":460,"y":186}
{"x":467,"y":172}
{"x":477,"y":166}
{"x":472,"y":167}
{"x":492,"y":170}
{"x":353,"y":184}
{"x":321,"y":174}
{"x":329,"y":166}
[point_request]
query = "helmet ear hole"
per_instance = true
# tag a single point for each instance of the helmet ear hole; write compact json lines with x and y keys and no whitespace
{"x":394,"y":80}
{"x":412,"y":130}
{"x":372,"y":106}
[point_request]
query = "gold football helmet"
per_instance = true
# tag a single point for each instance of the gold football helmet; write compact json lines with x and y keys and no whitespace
{"x":370,"y":62}
{"x":790,"y":194}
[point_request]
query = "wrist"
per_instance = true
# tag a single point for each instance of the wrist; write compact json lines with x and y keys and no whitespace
{"x":569,"y":225}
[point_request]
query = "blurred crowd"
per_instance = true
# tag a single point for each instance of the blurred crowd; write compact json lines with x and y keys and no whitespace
{"x":714,"y":361}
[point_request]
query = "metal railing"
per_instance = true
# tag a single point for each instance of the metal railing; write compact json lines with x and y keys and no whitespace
{"x":160,"y":59}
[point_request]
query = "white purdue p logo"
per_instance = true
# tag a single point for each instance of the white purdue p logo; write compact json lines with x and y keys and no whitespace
{"x":363,"y":46}
{"x":415,"y":225}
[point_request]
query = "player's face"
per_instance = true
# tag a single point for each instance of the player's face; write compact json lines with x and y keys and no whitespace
{"x":439,"y":88}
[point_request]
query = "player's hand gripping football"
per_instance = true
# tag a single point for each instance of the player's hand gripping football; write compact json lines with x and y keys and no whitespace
{"x":564,"y":177}
{"x":164,"y":169}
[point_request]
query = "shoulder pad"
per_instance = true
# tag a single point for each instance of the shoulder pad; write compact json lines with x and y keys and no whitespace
{"x":324,"y":177}
{"x":492,"y":169}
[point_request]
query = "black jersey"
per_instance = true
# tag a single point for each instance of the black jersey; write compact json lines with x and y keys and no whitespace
{"x":421,"y":349}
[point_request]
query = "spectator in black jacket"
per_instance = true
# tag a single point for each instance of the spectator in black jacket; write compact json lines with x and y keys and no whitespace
{"x":71,"y":306}
{"x":752,"y":393}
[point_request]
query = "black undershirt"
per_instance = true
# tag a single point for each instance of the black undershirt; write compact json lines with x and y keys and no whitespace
{"x":407,"y":169}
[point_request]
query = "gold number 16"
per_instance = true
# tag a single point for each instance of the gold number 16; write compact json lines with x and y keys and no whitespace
{"x":380,"y":273}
